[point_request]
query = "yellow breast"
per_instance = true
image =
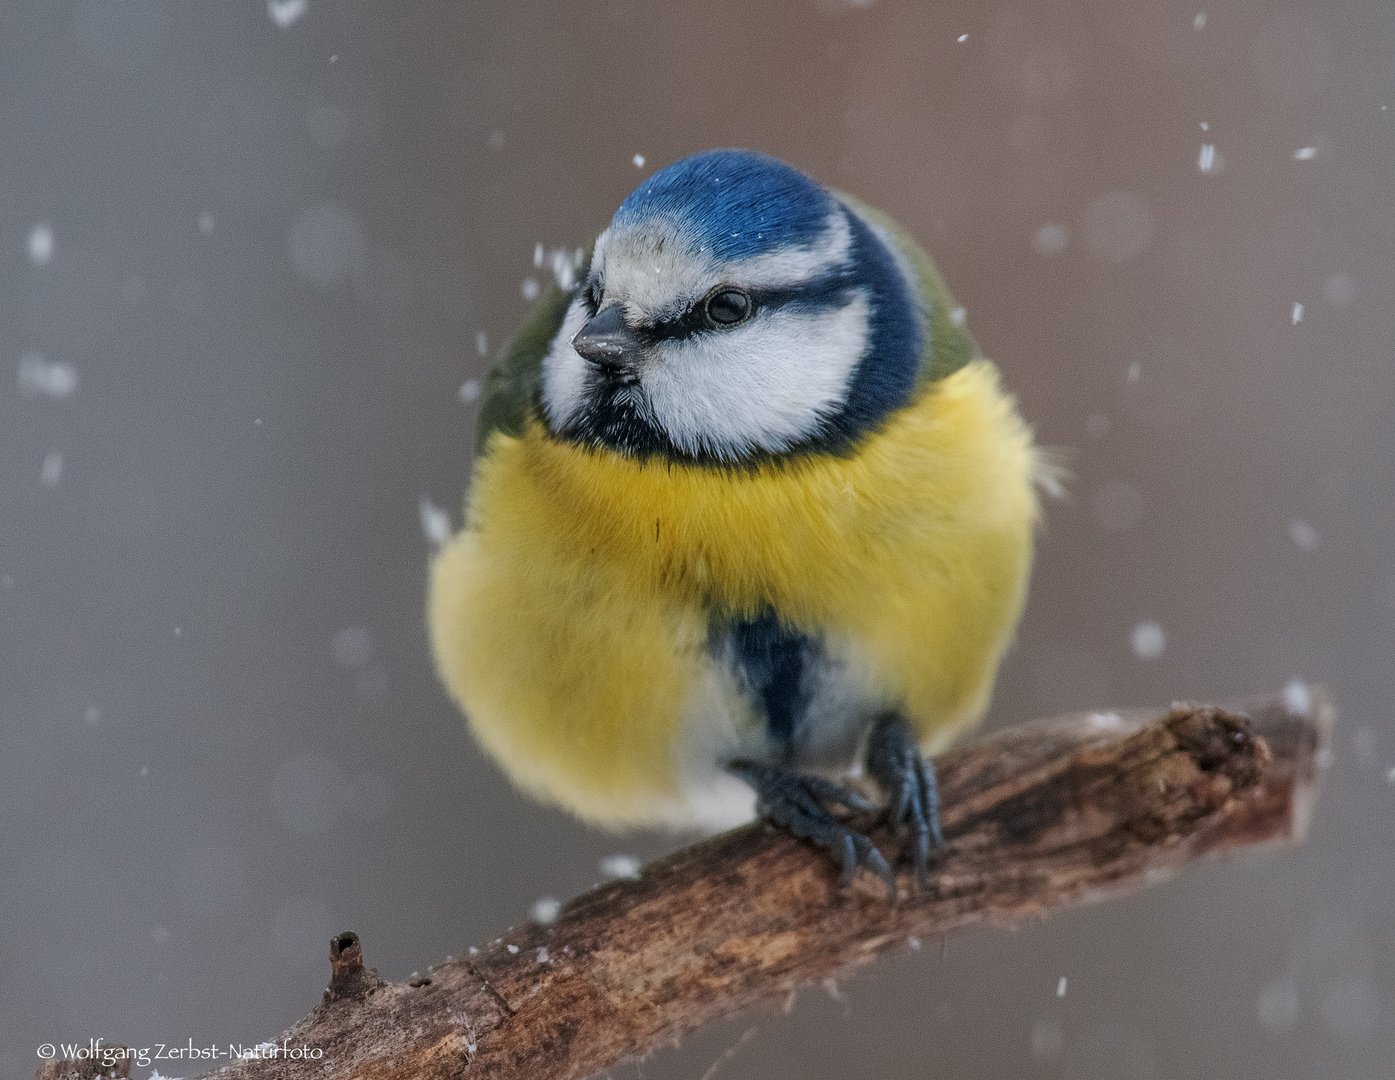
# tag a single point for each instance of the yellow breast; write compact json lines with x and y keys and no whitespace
{"x":570,"y":617}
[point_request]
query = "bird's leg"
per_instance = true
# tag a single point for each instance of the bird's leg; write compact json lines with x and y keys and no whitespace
{"x":913,"y":803}
{"x":801,"y":804}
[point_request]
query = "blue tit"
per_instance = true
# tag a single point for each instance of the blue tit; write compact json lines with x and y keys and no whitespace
{"x":750,"y":515}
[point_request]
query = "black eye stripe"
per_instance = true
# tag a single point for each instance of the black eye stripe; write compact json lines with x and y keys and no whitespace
{"x":821,"y":294}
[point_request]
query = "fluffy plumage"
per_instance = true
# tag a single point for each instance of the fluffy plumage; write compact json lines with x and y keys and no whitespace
{"x":707,"y":540}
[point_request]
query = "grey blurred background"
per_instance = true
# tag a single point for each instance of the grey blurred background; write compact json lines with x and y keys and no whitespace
{"x":248,"y":256}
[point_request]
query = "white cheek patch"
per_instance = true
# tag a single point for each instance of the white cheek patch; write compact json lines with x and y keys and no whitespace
{"x":564,"y":372}
{"x":766,"y":385}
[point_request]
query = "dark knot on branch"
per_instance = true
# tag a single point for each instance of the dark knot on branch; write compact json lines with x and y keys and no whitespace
{"x":348,"y":979}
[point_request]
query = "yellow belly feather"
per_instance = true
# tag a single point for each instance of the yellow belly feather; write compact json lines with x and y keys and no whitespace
{"x":570,"y":617}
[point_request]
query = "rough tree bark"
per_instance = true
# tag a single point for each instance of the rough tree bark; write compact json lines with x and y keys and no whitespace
{"x":1037,"y":817}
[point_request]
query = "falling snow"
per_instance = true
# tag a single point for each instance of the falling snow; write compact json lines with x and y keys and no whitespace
{"x":52,"y":471}
{"x":41,"y":244}
{"x":1297,"y":699}
{"x":562,"y":270}
{"x":1148,"y":641}
{"x":286,"y":13}
{"x":1050,"y":239}
{"x":1303,"y":534}
{"x":620,"y":866}
{"x":563,"y":262}
{"x":52,"y":378}
{"x":435,"y":522}
{"x":546,"y":909}
{"x":326,"y":249}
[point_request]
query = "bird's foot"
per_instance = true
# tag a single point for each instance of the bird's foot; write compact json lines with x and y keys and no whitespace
{"x":801,"y":804}
{"x":894,"y":761}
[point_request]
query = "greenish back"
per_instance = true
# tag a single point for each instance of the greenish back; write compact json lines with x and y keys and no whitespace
{"x":511,"y":387}
{"x":950,"y":344}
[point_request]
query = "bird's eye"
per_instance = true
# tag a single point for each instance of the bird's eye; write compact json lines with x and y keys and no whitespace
{"x":593,"y":297}
{"x":727,"y":307}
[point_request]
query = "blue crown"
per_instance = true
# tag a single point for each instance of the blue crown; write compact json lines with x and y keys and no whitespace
{"x":733,"y":203}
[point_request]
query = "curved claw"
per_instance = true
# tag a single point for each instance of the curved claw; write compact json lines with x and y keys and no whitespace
{"x":849,"y":860}
{"x":800,"y":804}
{"x":894,"y":760}
{"x":870,"y":857}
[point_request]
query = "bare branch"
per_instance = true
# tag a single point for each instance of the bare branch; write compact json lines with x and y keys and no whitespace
{"x":1038,"y":817}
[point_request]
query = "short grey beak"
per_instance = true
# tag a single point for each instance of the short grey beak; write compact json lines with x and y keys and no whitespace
{"x":608,"y":342}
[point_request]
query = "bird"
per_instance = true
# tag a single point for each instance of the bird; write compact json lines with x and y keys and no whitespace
{"x":750,"y":522}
